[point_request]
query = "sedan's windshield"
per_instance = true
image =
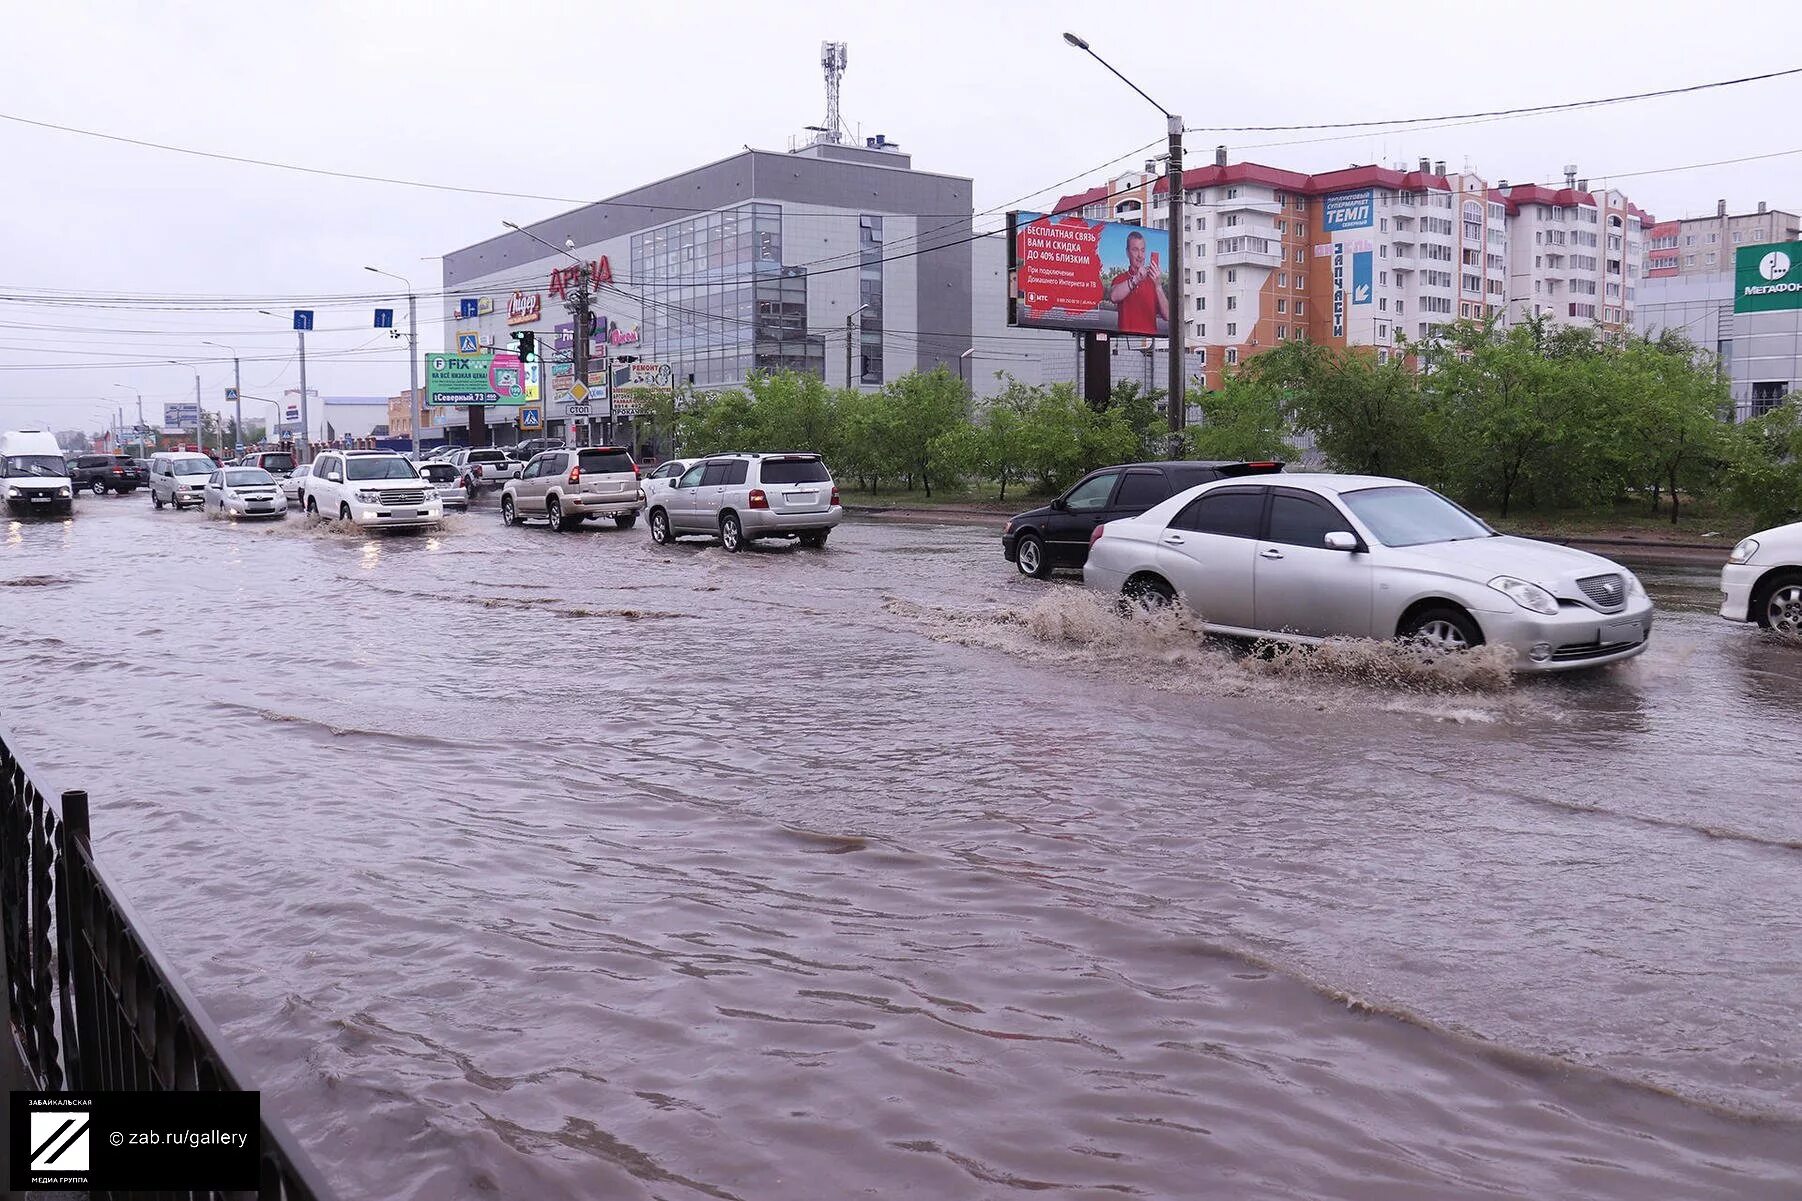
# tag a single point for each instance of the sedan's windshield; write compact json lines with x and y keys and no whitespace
{"x":1410,"y":516}
{"x":192,"y":467}
{"x":383,"y":468}
{"x":50,"y":465}
{"x":249,"y":478}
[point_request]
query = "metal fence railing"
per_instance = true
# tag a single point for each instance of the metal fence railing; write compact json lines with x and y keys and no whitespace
{"x":92,"y":1002}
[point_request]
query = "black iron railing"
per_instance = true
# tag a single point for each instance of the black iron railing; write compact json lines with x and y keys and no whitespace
{"x":92,"y":1001}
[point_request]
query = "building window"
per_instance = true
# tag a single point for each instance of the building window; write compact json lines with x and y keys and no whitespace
{"x":1382,"y":329}
{"x":1232,"y":302}
{"x":1299,"y":306}
{"x":1232,"y":329}
{"x":1282,"y":333}
{"x":1232,"y":356}
{"x":1711,"y":258}
{"x":1201,"y":304}
{"x":1767,"y":394}
{"x":1383,"y":303}
{"x":1382,"y":225}
{"x":1282,"y":306}
{"x":1201,"y":356}
{"x":1231,"y":219}
{"x":1282,"y":279}
{"x":1383,"y":278}
{"x":1232,"y":193}
{"x":1713,"y":238}
{"x":1232,"y":275}
{"x":1301,"y":284}
{"x":1201,"y":330}
{"x":1299,"y":256}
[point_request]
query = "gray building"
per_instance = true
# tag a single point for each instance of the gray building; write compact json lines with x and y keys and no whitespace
{"x":1703,"y":245}
{"x":758,"y":262}
{"x":1761,"y":352}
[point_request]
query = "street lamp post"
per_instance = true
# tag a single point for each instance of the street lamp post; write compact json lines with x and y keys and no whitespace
{"x":851,"y":340}
{"x":412,"y":356}
{"x":961,"y":359}
{"x":1178,"y":398}
{"x":237,"y":390}
{"x":578,"y":308}
{"x":143,"y":451}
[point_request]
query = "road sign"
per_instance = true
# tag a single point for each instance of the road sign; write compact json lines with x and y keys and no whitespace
{"x":578,"y":392}
{"x":575,"y":409}
{"x":466,"y":307}
{"x":644,"y":375}
{"x":468,"y":342}
{"x":303,"y":319}
{"x":531,"y":417}
{"x":384,"y":318}
{"x":231,"y":394}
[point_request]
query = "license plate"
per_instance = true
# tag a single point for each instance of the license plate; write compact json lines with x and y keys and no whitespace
{"x":1622,"y":631}
{"x":40,"y":500}
{"x":801,"y":498}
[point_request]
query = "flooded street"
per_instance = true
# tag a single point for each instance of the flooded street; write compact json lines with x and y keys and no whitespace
{"x":522,"y":864}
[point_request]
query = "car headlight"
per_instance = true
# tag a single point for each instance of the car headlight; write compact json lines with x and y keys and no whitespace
{"x":13,"y":494}
{"x":1744,"y":551}
{"x":366,"y":497}
{"x":64,"y":492}
{"x":1526,"y":594}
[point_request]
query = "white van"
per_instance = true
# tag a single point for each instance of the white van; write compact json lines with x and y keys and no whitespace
{"x":34,"y":475}
{"x":178,"y":477}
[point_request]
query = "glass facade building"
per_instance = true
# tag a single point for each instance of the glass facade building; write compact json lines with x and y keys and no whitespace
{"x":718,"y":301}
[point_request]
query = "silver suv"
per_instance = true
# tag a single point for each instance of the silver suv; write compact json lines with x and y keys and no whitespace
{"x":741,"y":498}
{"x":568,"y":486}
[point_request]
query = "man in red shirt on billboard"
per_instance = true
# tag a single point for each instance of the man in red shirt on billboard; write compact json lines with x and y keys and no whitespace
{"x":1136,"y":292}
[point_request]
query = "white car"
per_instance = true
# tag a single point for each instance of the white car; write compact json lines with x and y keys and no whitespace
{"x":1762,"y":581}
{"x":663,"y":477}
{"x":567,"y":487}
{"x":1310,"y":557}
{"x":294,"y":483}
{"x":447,"y":481}
{"x":487,"y":466}
{"x":244,"y":492}
{"x":371,"y":488}
{"x":179,"y":478}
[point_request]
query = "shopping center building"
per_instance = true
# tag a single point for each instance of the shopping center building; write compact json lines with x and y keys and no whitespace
{"x":829,"y":257}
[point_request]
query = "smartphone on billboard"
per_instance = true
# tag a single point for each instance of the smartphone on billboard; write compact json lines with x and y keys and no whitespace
{"x":1156,"y":271}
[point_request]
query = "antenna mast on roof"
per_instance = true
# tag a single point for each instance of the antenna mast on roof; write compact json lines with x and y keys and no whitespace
{"x":832,"y":60}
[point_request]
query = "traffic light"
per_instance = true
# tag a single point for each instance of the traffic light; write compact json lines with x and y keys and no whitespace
{"x":525,"y":343}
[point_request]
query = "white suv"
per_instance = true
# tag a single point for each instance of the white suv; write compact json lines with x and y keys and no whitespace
{"x":566,"y":487}
{"x":370,"y":487}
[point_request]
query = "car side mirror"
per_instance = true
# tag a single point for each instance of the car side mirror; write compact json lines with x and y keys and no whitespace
{"x":1340,"y":540}
{"x":334,"y":477}
{"x":1059,"y":504}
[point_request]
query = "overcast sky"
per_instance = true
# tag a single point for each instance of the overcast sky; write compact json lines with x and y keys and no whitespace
{"x":585,"y":99}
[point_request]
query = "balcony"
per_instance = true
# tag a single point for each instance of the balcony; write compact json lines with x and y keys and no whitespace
{"x":1247,"y":251}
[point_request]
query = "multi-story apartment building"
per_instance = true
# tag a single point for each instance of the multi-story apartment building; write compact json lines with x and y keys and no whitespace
{"x":1376,"y":256}
{"x":1705,"y":245}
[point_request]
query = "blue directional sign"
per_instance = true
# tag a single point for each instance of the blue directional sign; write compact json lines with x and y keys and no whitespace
{"x":466,"y":307}
{"x":384,"y":318}
{"x":303,"y":319}
{"x":469,"y":342}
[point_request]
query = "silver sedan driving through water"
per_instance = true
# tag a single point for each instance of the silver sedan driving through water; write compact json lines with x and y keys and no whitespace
{"x":1310,"y":557}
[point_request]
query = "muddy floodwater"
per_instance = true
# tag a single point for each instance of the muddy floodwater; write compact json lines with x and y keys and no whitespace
{"x":532,"y":865}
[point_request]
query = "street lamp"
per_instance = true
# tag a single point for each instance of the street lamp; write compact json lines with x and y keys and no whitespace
{"x":199,"y":422}
{"x":143,"y":451}
{"x":412,"y":356}
{"x":237,"y":391}
{"x":960,"y":364}
{"x":1174,"y":124}
{"x":850,"y":340}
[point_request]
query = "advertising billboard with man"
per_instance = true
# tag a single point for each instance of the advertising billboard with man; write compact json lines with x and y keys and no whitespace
{"x":1068,"y":273}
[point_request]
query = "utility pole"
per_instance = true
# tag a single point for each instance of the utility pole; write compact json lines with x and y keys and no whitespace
{"x":851,"y":340}
{"x":412,"y":354}
{"x":1178,"y":401}
{"x":301,"y":446}
{"x":199,"y":416}
{"x":578,"y":308}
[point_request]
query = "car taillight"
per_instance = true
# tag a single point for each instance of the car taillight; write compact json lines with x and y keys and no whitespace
{"x":758,"y":499}
{"x":1096,"y":536}
{"x":575,"y":475}
{"x":835,"y":494}
{"x":118,"y":471}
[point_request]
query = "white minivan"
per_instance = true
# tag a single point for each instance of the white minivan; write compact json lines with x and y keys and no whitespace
{"x":34,"y":475}
{"x":179,"y":478}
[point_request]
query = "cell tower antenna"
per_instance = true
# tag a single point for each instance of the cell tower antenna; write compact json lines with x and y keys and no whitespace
{"x":832,"y":60}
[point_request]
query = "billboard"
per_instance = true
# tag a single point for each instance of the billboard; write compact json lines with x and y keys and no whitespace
{"x":1765,"y":278}
{"x":181,"y":416}
{"x":1068,"y":273}
{"x":1348,"y":210}
{"x":474,"y":379}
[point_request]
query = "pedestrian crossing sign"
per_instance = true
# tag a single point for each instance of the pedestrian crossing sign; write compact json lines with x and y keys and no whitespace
{"x":531,"y":417}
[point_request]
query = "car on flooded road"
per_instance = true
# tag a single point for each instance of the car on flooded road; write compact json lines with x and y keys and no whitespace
{"x":1762,"y":581}
{"x":741,"y":498}
{"x":567,"y":487}
{"x":244,"y":492}
{"x":447,"y":481}
{"x":1305,"y":558}
{"x":660,"y":479}
{"x":101,"y":474}
{"x":1055,"y":536}
{"x":179,"y":478}
{"x":34,"y":475}
{"x":371,"y":488}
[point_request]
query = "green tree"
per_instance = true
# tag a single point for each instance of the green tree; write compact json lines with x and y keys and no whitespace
{"x":1244,"y":419}
{"x":1765,"y":475}
{"x":926,"y":406}
{"x":791,"y":411}
{"x":999,"y":435}
{"x":721,"y":422}
{"x":1674,"y":427}
{"x":1365,"y":416}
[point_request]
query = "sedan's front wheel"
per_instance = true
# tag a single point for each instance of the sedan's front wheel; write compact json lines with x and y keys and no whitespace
{"x":98,"y":487}
{"x":1779,"y":604}
{"x":1443,"y":628}
{"x":509,"y":515}
{"x":660,"y":531}
{"x":1029,"y":557}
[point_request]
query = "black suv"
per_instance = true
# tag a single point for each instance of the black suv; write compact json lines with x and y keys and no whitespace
{"x":1058,"y":534}
{"x":101,"y":474}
